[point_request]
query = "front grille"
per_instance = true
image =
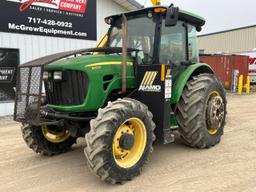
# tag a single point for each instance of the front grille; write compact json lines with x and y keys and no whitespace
{"x":69,"y":91}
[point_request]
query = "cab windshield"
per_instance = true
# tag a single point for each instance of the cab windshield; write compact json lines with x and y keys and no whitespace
{"x":176,"y":44}
{"x":141,"y":34}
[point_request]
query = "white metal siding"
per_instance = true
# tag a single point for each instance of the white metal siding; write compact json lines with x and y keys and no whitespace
{"x":34,"y":46}
{"x":233,"y":41}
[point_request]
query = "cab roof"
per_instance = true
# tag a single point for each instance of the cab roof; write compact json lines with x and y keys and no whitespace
{"x":187,"y":16}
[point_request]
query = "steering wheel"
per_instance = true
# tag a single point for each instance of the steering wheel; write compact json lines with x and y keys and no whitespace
{"x":137,"y":44}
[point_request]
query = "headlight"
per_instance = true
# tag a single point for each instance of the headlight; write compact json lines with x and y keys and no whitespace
{"x":45,"y":75}
{"x":57,"y":75}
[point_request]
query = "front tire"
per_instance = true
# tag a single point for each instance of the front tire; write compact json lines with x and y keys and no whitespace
{"x":120,"y":140}
{"x":46,"y":141}
{"x":201,"y":111}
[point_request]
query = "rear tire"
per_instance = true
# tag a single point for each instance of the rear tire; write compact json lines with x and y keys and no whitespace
{"x":35,"y":139}
{"x":194,"y":111}
{"x":100,"y":150}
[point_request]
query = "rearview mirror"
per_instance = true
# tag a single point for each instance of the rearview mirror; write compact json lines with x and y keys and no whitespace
{"x":172,"y":16}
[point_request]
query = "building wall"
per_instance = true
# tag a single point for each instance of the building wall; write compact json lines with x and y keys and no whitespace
{"x":231,"y":41}
{"x":34,"y":46}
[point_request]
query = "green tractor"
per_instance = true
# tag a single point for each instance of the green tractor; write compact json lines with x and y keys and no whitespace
{"x":142,"y":83}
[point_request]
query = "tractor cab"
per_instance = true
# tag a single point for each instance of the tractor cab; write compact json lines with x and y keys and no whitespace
{"x":161,"y":35}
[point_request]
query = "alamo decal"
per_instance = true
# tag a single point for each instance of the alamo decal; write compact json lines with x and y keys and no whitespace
{"x":147,"y":83}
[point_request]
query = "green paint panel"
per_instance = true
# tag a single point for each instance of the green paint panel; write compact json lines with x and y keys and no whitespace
{"x":180,"y":83}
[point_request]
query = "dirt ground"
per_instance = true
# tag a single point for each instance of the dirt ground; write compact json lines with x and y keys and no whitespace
{"x":230,"y":166}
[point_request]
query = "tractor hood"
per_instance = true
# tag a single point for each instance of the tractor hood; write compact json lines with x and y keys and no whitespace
{"x":87,"y":82}
{"x":82,"y":63}
{"x":95,"y":76}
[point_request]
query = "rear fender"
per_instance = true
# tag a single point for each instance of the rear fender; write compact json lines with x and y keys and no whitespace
{"x":191,"y":71}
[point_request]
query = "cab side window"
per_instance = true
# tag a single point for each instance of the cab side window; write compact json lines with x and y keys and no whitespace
{"x":193,"y":44}
{"x":173,"y":44}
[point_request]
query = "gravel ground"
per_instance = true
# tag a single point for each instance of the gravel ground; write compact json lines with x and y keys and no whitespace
{"x":230,"y":166}
{"x":6,"y":120}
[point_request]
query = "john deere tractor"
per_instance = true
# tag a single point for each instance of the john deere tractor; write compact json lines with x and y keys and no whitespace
{"x":141,"y":84}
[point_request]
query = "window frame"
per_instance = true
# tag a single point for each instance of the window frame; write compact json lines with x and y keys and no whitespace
{"x":196,"y":44}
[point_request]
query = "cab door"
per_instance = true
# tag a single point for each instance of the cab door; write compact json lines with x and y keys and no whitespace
{"x":173,"y":49}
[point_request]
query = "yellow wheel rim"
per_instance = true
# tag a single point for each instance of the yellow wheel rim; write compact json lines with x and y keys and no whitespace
{"x":213,"y":130}
{"x":214,"y":94}
{"x":55,"y":136}
{"x":128,"y":158}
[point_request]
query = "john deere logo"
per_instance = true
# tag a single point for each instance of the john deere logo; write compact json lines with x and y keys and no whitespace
{"x":147,"y":82}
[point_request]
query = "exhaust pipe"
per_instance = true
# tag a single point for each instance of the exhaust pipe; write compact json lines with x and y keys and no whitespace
{"x":124,"y":52}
